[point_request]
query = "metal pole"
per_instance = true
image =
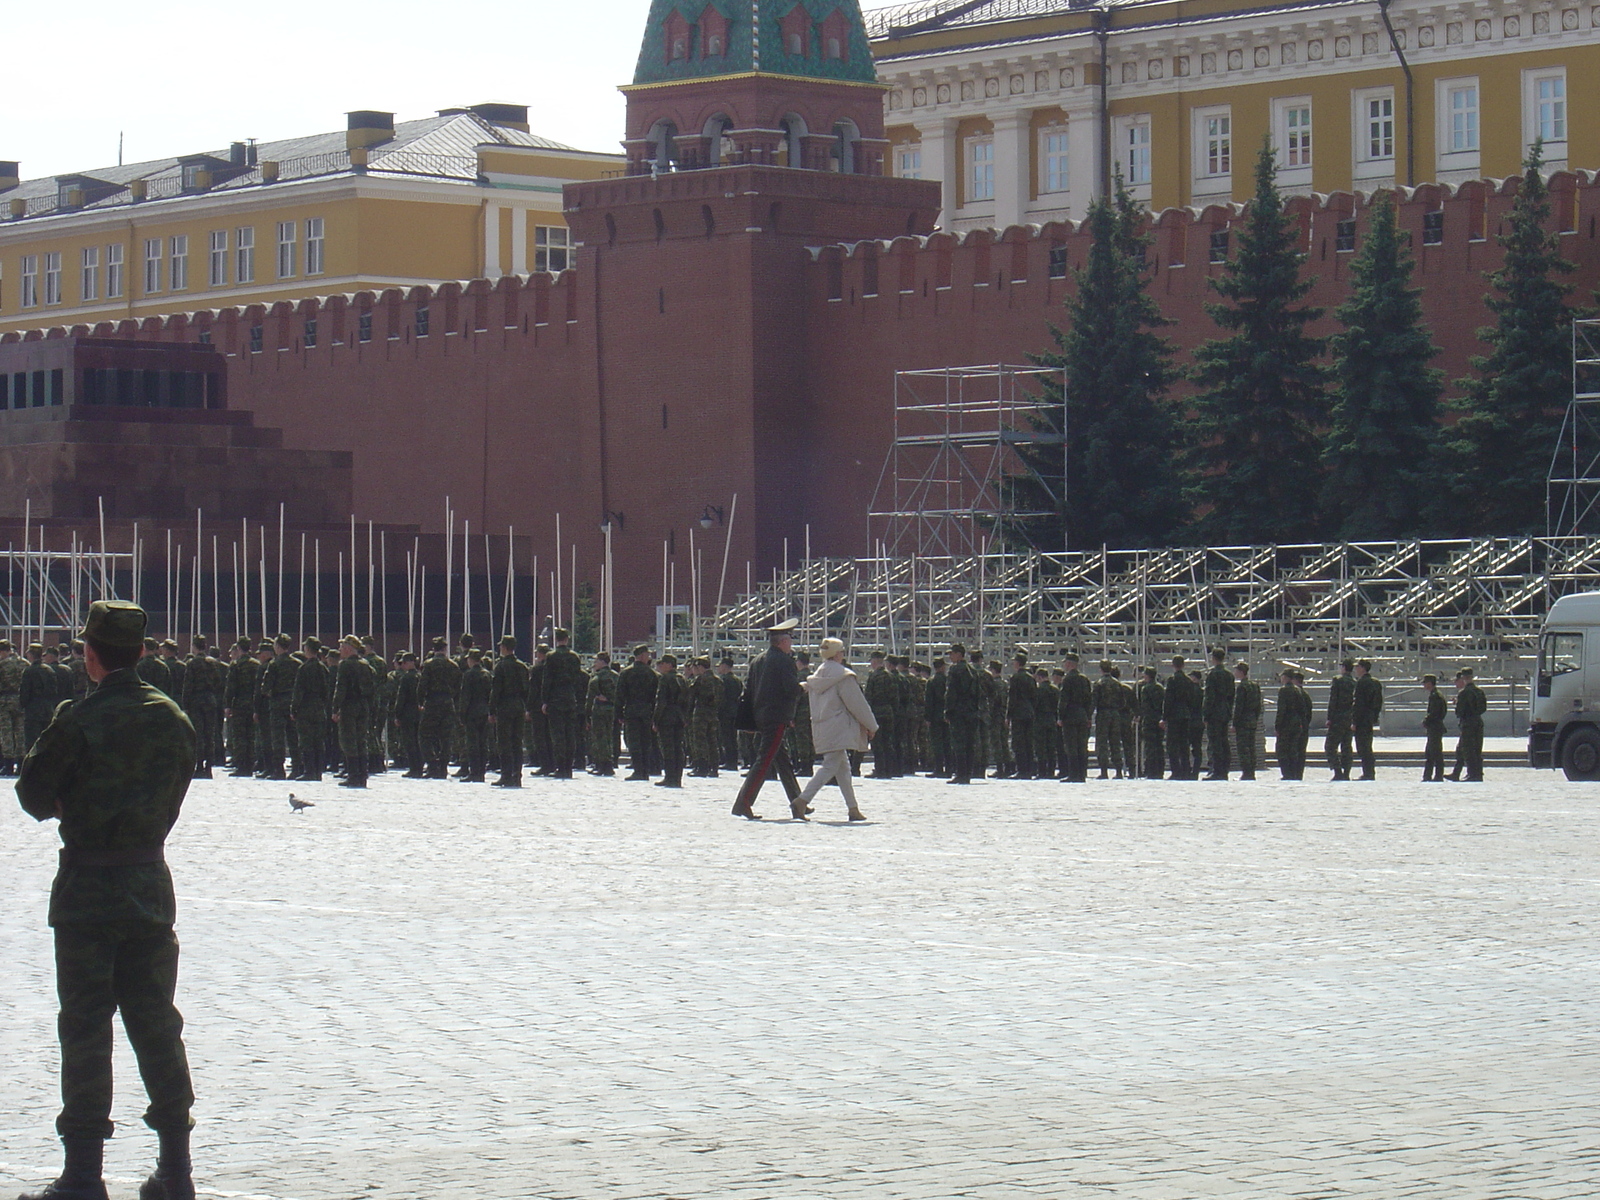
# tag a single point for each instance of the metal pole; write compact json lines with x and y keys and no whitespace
{"x":727,"y":542}
{"x":466,"y":576}
{"x":281,"y":516}
{"x":383,"y":577}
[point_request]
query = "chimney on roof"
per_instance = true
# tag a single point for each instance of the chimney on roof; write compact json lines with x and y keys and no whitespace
{"x":512,"y":116}
{"x":236,"y":154}
{"x":367,"y":128}
{"x":10,"y":175}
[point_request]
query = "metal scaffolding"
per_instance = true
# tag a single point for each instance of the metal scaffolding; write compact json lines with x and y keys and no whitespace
{"x":957,"y":436}
{"x":1572,"y":488}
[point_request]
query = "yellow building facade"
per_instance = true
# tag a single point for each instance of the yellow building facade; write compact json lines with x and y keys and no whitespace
{"x":467,"y":194}
{"x":1025,"y":108}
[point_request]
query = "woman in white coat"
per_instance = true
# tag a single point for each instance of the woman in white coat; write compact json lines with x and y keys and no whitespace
{"x":841,"y":721}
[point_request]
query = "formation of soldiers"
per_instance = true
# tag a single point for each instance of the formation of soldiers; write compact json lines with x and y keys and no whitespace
{"x":275,"y":711}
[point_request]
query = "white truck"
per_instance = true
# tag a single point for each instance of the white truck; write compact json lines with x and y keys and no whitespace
{"x":1565,"y":727}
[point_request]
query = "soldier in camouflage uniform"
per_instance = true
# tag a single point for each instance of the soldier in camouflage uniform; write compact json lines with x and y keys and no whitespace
{"x":1108,"y":701}
{"x":40,"y":696}
{"x":538,"y":722}
{"x":277,"y":690}
{"x":472,"y":702}
{"x":202,"y":681}
{"x":561,"y":701}
{"x":802,"y":751}
{"x":81,"y":683}
{"x":1000,"y":733}
{"x":908,"y":716}
{"x":938,"y":728}
{"x":406,"y":710}
{"x":239,"y":708}
{"x":353,"y":691}
{"x":883,"y":697}
{"x":920,"y":756}
{"x":670,"y":718}
{"x":988,"y":694}
{"x":151,"y":669}
{"x":636,"y":703}
{"x":705,"y":726}
{"x":377,"y":756}
{"x":1149,"y":698}
{"x":728,"y":714}
{"x":310,"y":711}
{"x":1046,"y":734}
{"x":114,"y":769}
{"x":12,"y":743}
{"x":219,"y":687}
{"x":1125,"y":723}
{"x":508,"y":710}
{"x":440,"y":682}
{"x":1021,"y":695}
{"x":177,"y":669}
{"x":601,"y":702}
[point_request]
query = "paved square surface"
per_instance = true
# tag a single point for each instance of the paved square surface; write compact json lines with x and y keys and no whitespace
{"x":602,"y":989}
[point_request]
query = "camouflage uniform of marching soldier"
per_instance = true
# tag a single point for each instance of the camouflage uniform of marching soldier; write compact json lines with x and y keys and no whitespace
{"x":406,"y":710}
{"x":1000,"y":724}
{"x":636,"y":704}
{"x":1341,"y":703}
{"x":601,"y":703}
{"x":310,"y":708}
{"x":1073,"y":707}
{"x":981,"y":755}
{"x":1147,"y":697}
{"x":378,"y":759}
{"x":562,"y":694}
{"x":1197,"y":720}
{"x":1046,"y":737}
{"x":508,"y":709}
{"x":81,"y":684}
{"x":239,"y":709}
{"x":1218,"y":713}
{"x":1023,"y":694}
{"x":151,"y":669}
{"x":203,"y":681}
{"x":354,"y":689}
{"x":908,"y":717}
{"x":473,"y":704}
{"x":961,"y":701}
{"x":802,"y":750}
{"x":921,"y":754}
{"x":670,"y":717}
{"x":114,"y":769}
{"x":1125,"y":722}
{"x":883,"y":696}
{"x":458,"y":732}
{"x":277,"y":685}
{"x":263,"y":723}
{"x":12,"y":737}
{"x":1108,"y":700}
{"x":938,"y":727}
{"x":176,"y":668}
{"x":1176,"y":707}
{"x":728,"y":713}
{"x":538,"y":723}
{"x":1291,"y":725}
{"x":39,"y":696}
{"x":219,"y":687}
{"x":1246,"y":718}
{"x":705,"y":724}
{"x":440,"y":681}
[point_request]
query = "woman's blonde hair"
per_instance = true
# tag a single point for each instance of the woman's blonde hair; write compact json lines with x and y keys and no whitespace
{"x":831,"y":646}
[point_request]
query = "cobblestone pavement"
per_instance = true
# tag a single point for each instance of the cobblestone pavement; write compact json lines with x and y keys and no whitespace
{"x":601,"y":989}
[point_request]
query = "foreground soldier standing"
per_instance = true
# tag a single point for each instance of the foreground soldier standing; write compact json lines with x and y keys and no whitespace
{"x":354,"y":687}
{"x":12,"y":745}
{"x":1471,"y":704}
{"x":113,"y":768}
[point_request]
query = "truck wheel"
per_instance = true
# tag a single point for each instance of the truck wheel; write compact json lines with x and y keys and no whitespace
{"x":1580,"y":754}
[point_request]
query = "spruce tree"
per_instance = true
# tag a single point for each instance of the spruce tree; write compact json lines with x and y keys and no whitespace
{"x":1120,"y":487}
{"x":1380,"y":444}
{"x":1511,"y":413}
{"x":1252,"y":457}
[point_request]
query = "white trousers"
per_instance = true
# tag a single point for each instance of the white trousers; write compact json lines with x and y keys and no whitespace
{"x":835,"y":765}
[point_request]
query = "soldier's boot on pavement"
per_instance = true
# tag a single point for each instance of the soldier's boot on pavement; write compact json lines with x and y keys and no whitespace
{"x":173,"y":1178}
{"x":80,"y":1176}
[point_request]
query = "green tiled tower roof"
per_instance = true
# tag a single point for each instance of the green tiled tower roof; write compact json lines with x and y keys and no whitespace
{"x":769,"y":53}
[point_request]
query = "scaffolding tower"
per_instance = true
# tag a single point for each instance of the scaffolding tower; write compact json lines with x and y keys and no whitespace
{"x":1572,"y":487}
{"x":958,"y":433}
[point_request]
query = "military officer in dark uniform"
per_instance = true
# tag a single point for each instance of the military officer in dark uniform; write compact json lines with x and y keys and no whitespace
{"x":938,"y":727}
{"x":474,"y":704}
{"x":1218,"y":712}
{"x":636,"y":697}
{"x":113,"y":768}
{"x":1147,"y":698}
{"x":1341,"y":706}
{"x":1246,"y":718}
{"x":1365,"y":708}
{"x":239,"y":708}
{"x":773,"y":691}
{"x":1020,"y":706}
{"x":1176,"y":706}
{"x":1074,"y":705}
{"x":1433,"y":729}
{"x":203,"y":682}
{"x":961,"y":700}
{"x":1471,"y":704}
{"x":437,"y":687}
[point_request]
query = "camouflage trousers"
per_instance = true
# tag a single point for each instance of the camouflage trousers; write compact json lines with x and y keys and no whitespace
{"x":12,"y":747}
{"x":279,"y":735}
{"x":131,"y":967}
{"x":603,"y":738}
{"x":641,"y":745}
{"x":508,"y":744}
{"x":1108,"y":743}
{"x":705,"y":743}
{"x":436,"y":730}
{"x":562,"y":726}
{"x":204,"y":718}
{"x":242,"y":739}
{"x":353,"y":742}
{"x":475,"y":750}
{"x":670,"y":739}
{"x":802,"y":751}
{"x":311,"y":736}
{"x":1000,"y":746}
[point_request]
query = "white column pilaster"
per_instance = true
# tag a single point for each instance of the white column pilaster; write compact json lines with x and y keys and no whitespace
{"x":491,"y":241}
{"x":941,"y":160}
{"x":1013,"y":163}
{"x":1083,"y":158}
{"x":519,"y":241}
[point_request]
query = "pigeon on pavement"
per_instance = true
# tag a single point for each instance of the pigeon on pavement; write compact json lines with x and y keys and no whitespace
{"x":299,"y":805}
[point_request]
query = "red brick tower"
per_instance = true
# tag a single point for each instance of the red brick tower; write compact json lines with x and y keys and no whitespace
{"x":755,"y":131}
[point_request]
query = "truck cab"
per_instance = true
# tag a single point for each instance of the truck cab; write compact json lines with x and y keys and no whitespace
{"x":1565,"y":729}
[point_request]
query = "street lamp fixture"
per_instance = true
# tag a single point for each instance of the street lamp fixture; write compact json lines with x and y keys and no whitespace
{"x":711,"y":515}
{"x":608,"y":518}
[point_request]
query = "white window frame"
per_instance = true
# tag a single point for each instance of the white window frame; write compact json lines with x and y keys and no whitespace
{"x":1374,"y":132}
{"x":1533,"y":117}
{"x":1055,"y":160}
{"x":1213,"y":150}
{"x":114,"y":271}
{"x":1458,"y":133}
{"x":288,"y":248}
{"x":1133,"y":136}
{"x":244,"y":254}
{"x":979,"y":157}
{"x":52,"y":277}
{"x":29,"y":295}
{"x":315,"y":261}
{"x":154,"y":262}
{"x":908,"y":160}
{"x":89,"y":273}
{"x":1294,"y":135}
{"x":178,"y":267}
{"x":553,"y":248}
{"x":218,"y":274}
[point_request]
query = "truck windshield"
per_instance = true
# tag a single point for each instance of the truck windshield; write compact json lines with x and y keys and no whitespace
{"x":1558,"y":654}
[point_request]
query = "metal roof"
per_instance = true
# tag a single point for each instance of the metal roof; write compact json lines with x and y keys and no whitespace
{"x":922,"y":16}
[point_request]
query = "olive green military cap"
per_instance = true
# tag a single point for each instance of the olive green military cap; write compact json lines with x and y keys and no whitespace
{"x":115,"y":623}
{"x":350,"y":640}
{"x":509,"y":639}
{"x":638,"y":650}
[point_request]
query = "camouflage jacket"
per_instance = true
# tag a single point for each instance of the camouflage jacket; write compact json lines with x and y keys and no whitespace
{"x":239,"y":694}
{"x":114,"y":767}
{"x":354,"y":688}
{"x":154,"y":672}
{"x":603,"y":693}
{"x":439,"y":680}
{"x":11,"y":678}
{"x":508,"y":689}
{"x":473,"y":699}
{"x":672,"y":701}
{"x":203,"y":683}
{"x":562,"y":686}
{"x":312,"y":689}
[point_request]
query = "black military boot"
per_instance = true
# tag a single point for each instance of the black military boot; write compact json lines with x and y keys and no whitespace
{"x":173,"y":1178}
{"x":80,"y":1176}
